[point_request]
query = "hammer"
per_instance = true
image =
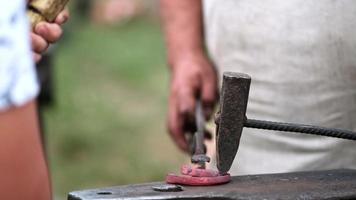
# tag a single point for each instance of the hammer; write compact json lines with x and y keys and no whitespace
{"x":231,"y":119}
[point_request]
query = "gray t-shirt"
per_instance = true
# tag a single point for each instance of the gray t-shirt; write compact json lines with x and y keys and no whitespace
{"x":302,"y":59}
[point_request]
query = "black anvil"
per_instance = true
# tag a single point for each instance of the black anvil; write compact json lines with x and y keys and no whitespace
{"x":318,"y":185}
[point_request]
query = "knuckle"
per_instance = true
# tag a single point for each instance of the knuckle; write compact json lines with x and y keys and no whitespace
{"x":56,"y":35}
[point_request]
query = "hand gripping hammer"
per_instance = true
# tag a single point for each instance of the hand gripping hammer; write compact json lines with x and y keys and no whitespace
{"x":231,"y":119}
{"x":44,"y":10}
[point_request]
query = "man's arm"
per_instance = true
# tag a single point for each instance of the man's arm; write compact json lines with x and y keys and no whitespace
{"x":192,"y":74}
{"x":183,"y":28}
{"x":23,"y":169}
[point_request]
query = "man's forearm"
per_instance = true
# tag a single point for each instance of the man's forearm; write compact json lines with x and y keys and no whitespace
{"x":183,"y":28}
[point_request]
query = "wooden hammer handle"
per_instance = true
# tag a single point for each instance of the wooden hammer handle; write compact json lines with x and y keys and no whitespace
{"x":44,"y":10}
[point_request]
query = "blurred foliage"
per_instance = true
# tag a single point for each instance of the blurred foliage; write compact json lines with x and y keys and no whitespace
{"x":108,"y":123}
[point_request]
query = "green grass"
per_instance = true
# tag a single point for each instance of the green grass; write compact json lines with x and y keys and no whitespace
{"x":108,"y":124}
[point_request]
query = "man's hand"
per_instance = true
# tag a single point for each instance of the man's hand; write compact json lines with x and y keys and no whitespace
{"x":193,"y":77}
{"x":46,"y":33}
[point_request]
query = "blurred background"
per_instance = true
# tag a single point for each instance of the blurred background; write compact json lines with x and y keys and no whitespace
{"x":105,"y":98}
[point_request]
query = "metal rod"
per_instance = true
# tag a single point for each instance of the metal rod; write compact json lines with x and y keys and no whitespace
{"x":199,"y":156}
{"x":300,"y":128}
{"x":199,"y":135}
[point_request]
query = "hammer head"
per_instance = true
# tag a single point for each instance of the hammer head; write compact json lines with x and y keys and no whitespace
{"x":231,"y":117}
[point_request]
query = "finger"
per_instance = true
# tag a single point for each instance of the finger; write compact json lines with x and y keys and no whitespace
{"x":39,"y":45}
{"x":37,"y":57}
{"x":62,"y":17}
{"x":209,"y":94}
{"x":50,"y":32}
{"x":175,"y":125}
{"x":187,"y":101}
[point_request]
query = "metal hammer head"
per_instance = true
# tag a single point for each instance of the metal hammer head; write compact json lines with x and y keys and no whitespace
{"x":231,"y":117}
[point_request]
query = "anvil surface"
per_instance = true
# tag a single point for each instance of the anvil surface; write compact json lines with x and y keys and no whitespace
{"x":331,"y":184}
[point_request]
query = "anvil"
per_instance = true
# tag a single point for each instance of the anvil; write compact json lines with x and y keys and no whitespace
{"x":317,"y":185}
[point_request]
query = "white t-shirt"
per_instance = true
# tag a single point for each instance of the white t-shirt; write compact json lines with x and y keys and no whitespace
{"x":301,"y":56}
{"x":18,"y":81}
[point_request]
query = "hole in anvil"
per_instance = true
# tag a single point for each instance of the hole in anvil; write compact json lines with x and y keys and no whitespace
{"x":104,"y":193}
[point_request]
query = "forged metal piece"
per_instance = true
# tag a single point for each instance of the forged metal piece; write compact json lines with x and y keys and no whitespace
{"x":198,"y":180}
{"x":197,"y":172}
{"x":197,"y":176}
{"x":317,"y":185}
{"x":231,"y":119}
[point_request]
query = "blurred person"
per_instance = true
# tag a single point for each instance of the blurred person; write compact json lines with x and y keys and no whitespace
{"x":109,"y":12}
{"x":112,"y":12}
{"x":82,"y":7}
{"x":23,"y":169}
{"x":301,"y":57}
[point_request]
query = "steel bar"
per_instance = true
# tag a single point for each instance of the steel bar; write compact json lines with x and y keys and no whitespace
{"x":199,"y":156}
{"x":321,"y":185}
{"x":300,"y":128}
{"x":199,"y":135}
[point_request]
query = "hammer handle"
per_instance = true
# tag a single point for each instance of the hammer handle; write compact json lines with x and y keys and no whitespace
{"x":44,"y":10}
{"x":300,"y":128}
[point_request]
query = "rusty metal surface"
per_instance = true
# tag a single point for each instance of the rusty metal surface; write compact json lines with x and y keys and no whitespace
{"x":233,"y":104}
{"x":321,"y":185}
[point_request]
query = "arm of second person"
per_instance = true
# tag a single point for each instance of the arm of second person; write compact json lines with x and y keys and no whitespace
{"x":192,"y":74}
